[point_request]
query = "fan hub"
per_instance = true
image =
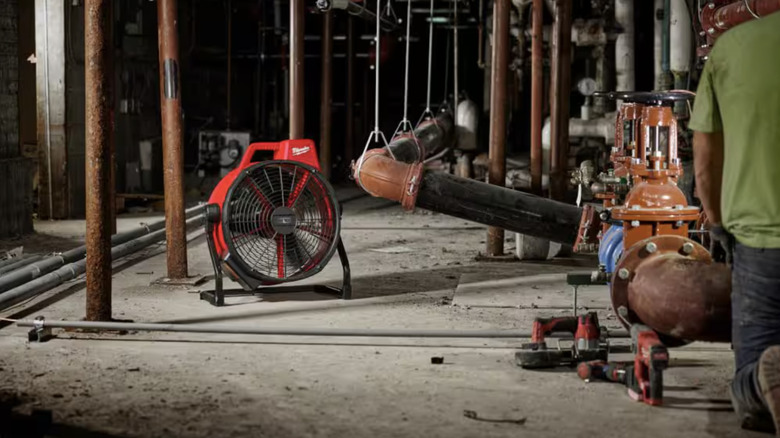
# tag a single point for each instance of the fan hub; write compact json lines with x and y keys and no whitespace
{"x":283,"y":220}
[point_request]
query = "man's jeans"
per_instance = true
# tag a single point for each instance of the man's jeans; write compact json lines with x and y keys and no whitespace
{"x":755,"y":314}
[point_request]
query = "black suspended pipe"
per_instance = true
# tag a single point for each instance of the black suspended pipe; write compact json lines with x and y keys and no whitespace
{"x":49,"y":264}
{"x":499,"y":207}
{"x":73,"y":270}
{"x":254,"y":330}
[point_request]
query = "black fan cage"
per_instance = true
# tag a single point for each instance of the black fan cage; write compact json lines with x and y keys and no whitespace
{"x":281,"y":221}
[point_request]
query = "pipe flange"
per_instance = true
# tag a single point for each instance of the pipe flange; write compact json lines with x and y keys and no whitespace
{"x":641,"y":252}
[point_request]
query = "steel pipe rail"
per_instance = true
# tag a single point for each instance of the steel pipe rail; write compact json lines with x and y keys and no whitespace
{"x":281,"y":331}
{"x":49,"y":264}
{"x":73,"y":270}
{"x":361,"y":11}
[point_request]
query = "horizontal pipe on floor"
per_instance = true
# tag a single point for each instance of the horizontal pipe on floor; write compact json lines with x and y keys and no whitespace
{"x":73,"y":270}
{"x":18,"y":263}
{"x":254,"y":330}
{"x":49,"y":264}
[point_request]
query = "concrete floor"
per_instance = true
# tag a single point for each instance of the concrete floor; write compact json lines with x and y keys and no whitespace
{"x":193,"y":385}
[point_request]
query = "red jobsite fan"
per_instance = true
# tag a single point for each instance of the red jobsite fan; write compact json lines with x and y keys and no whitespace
{"x":273,"y":220}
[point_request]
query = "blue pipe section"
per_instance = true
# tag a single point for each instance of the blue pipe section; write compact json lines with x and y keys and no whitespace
{"x":611,"y":248}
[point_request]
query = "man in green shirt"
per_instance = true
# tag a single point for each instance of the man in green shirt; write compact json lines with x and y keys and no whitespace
{"x":736,"y":146}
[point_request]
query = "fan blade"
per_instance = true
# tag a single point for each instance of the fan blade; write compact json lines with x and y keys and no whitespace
{"x":299,"y":188}
{"x":280,"y":256}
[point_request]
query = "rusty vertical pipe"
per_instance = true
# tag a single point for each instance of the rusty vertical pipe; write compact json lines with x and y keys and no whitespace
{"x":537,"y":89}
{"x":349,"y":148}
{"x":99,"y":125}
{"x":326,"y":94}
{"x":296,"y":68}
{"x":560,"y":85}
{"x":498,"y":97}
{"x":173,"y":157}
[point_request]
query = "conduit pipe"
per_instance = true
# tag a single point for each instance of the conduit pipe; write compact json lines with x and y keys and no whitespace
{"x":716,"y":20}
{"x":18,"y":264}
{"x":360,"y":10}
{"x":280,"y":331}
{"x":35,"y":270}
{"x":73,"y":270}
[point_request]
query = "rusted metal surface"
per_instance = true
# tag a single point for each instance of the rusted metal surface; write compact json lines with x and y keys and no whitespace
{"x":676,"y":289}
{"x":349,"y":139}
{"x":99,"y":127}
{"x":296,"y":69}
{"x":498,"y":101}
{"x":717,"y":19}
{"x":537,"y":90}
{"x":326,"y":94}
{"x":560,"y":86}
{"x":173,"y":156}
{"x":53,"y":192}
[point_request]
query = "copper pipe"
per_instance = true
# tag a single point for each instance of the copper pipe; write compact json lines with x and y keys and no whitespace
{"x":537,"y":89}
{"x":560,"y":84}
{"x":296,"y":69}
{"x":99,"y":125}
{"x":683,"y":298}
{"x":173,"y":156}
{"x":326,"y":94}
{"x":349,"y":139}
{"x":498,"y":97}
{"x":716,"y":20}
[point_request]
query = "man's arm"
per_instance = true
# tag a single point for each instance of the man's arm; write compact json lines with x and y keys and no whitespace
{"x":708,"y":168}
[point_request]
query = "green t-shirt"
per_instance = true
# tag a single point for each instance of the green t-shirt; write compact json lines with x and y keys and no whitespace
{"x":739,"y":93}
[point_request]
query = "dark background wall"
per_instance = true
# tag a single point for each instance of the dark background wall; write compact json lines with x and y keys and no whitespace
{"x":15,"y":183}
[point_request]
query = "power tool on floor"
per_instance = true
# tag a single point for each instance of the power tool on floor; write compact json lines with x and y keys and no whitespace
{"x":588,"y":343}
{"x":644,"y":376}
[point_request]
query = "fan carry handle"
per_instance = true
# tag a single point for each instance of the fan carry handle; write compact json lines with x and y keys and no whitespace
{"x":302,"y":151}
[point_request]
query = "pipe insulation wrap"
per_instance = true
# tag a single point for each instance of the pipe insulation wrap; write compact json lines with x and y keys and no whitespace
{"x":49,"y":264}
{"x":624,"y":45}
{"x":681,"y":37}
{"x":73,"y":270}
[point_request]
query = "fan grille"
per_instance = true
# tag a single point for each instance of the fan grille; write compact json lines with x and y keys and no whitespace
{"x":281,"y":220}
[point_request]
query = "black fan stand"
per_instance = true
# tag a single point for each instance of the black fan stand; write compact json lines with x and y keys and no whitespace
{"x":217,"y":296}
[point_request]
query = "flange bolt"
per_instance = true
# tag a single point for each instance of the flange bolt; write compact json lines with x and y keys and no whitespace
{"x":651,"y":247}
{"x":623,"y":274}
{"x":687,"y":248}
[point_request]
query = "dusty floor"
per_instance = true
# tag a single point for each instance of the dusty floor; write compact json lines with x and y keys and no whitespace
{"x":192,"y":385}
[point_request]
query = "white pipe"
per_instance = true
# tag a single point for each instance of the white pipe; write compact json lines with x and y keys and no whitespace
{"x":658,"y":43}
{"x":624,"y":45}
{"x":681,"y":37}
{"x":598,"y":128}
{"x":466,"y":125}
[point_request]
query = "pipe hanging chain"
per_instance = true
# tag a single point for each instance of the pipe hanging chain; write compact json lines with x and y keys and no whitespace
{"x":376,"y":134}
{"x":406,"y":126}
{"x":428,"y":114}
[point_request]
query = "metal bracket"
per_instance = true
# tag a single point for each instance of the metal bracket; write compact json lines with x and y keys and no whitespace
{"x":39,"y":332}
